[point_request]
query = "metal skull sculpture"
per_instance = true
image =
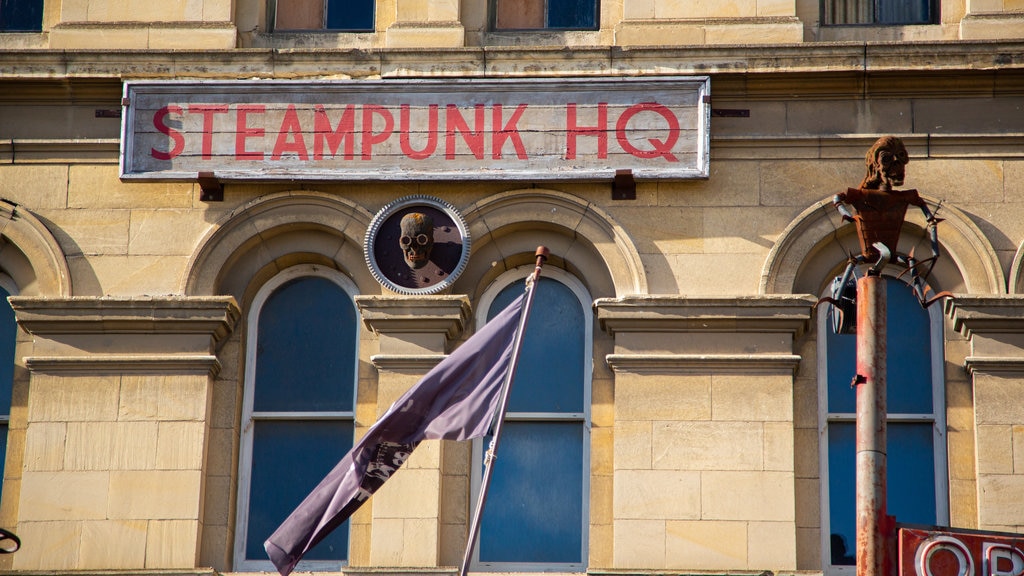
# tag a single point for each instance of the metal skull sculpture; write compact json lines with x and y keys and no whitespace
{"x":886,"y":163}
{"x":417,"y":239}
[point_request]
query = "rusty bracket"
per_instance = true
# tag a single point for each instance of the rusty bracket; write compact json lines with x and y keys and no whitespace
{"x":211,"y":188}
{"x":623,"y":185}
{"x":858,"y":379}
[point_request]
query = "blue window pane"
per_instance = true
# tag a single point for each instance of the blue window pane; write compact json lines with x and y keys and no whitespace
{"x":534,"y":510}
{"x":910,"y":460}
{"x":21,"y":15}
{"x":572,"y":14}
{"x":288,"y":460}
{"x":8,"y":337}
{"x":903,"y":11}
{"x":908,"y":358}
{"x":547,"y":381}
{"x":305,"y":356}
{"x":842,"y":495}
{"x":351,"y":15}
{"x":910,"y":481}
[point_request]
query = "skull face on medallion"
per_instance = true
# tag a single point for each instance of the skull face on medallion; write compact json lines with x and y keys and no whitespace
{"x":417,"y":239}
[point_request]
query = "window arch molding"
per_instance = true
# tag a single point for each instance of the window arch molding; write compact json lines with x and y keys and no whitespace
{"x":804,"y":258}
{"x":245,"y":459}
{"x":265,"y":236}
{"x":507,"y":228}
{"x":38,"y":265}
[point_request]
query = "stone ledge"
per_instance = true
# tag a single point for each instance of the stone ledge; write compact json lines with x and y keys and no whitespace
{"x":761,"y":314}
{"x":413,"y":363}
{"x":170,"y":364}
{"x":415,"y":315}
{"x":986,"y":314}
{"x":703,"y":363}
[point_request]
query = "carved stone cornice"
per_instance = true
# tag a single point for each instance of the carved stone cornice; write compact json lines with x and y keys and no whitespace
{"x":1003,"y":314}
{"x":415,"y":314}
{"x":763,"y":314}
{"x":177,"y":334}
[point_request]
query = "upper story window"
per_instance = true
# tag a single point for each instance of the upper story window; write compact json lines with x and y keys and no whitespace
{"x":326,"y":15}
{"x":544,"y":15}
{"x":298,"y":411}
{"x":917,"y":485}
{"x":878,"y":12}
{"x":21,"y":15}
{"x":536,"y":517}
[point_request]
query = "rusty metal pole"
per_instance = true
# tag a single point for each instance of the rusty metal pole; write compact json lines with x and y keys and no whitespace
{"x":872,"y":517}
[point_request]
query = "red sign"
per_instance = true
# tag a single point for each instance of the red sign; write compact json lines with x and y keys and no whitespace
{"x":950,"y":552}
{"x":417,"y":129}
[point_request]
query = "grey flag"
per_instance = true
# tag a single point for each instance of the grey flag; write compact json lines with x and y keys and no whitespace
{"x":456,"y":400}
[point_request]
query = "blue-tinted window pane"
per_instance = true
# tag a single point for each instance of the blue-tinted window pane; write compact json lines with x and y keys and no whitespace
{"x":351,"y":15}
{"x":21,"y":15}
{"x":903,"y":11}
{"x":908,"y":358}
{"x":305,"y":356}
{"x":842,"y":495}
{"x":549,"y":376}
{"x":572,"y":14}
{"x":8,"y":336}
{"x":910,"y":481}
{"x":288,"y":460}
{"x":910,"y":459}
{"x":534,"y":510}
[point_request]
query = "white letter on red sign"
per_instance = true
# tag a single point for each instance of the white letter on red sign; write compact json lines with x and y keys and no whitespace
{"x":928,"y":548}
{"x":992,"y":554}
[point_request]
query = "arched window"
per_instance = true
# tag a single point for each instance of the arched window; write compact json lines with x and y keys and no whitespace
{"x":917,"y":485}
{"x":298,"y":412}
{"x":536,"y":516}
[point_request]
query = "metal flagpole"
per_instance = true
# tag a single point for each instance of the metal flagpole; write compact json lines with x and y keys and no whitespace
{"x":492,"y":452}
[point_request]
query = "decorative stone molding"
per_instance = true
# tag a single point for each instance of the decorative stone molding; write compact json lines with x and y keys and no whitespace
{"x":104,"y":334}
{"x":781,"y":313}
{"x":994,"y":325}
{"x":732,"y":334}
{"x":411,"y":315}
{"x":414,"y":330}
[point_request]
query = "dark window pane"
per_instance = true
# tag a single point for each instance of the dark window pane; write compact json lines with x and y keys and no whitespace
{"x":305,"y":356}
{"x":21,"y":15}
{"x":549,"y":376}
{"x":572,"y":14}
{"x":910,"y":460}
{"x":910,"y":481}
{"x":903,"y":11}
{"x":908,"y":358}
{"x":842,"y":495}
{"x":288,"y":460}
{"x":8,"y":336}
{"x":534,"y":509}
{"x":351,"y":15}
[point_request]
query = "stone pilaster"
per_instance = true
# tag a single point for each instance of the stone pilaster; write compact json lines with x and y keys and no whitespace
{"x":117,"y":429}
{"x":414,"y":510}
{"x":693,"y":375}
{"x":994,"y":326}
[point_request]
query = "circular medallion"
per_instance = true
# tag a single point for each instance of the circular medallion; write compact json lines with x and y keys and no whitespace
{"x":417,"y":245}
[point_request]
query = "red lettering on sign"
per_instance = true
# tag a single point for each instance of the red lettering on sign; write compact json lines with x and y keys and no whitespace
{"x":403,"y":133}
{"x":507,"y":131}
{"x":369,"y":138}
{"x":243,"y":131}
{"x":290,"y":126}
{"x":208,"y":110}
{"x":334,"y":137}
{"x":454,"y":122}
{"x":177,"y":137}
{"x":662,"y":148}
{"x":572,"y":130}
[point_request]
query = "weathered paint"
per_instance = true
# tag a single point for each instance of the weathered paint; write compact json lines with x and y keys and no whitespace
{"x":941,"y":551}
{"x":873,"y":531}
{"x":415,"y":129}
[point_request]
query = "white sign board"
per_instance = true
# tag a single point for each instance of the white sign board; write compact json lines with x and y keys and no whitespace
{"x":404,"y":129}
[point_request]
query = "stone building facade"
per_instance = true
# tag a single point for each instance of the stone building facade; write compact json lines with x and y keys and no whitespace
{"x":709,"y":442}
